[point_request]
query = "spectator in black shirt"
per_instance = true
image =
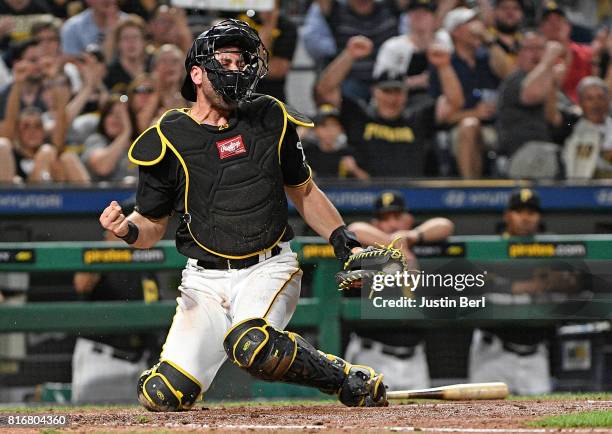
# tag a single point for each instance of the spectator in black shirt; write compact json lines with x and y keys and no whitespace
{"x":131,"y":58}
{"x":16,"y":18}
{"x":327,"y":148}
{"x":479,"y":70}
{"x":388,"y":141}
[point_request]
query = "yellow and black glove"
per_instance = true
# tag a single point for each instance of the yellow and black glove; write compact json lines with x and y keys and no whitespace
{"x":369,"y":262}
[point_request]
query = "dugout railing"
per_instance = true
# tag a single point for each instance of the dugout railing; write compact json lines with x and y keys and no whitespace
{"x":324,"y":310}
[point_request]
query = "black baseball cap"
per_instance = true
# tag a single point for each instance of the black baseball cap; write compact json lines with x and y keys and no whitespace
{"x":325,"y":111}
{"x":552,"y":7}
{"x":524,"y":198}
{"x":389,"y":201}
{"x":422,"y":4}
{"x":388,"y":80}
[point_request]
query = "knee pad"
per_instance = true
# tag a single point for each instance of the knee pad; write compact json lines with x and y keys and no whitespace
{"x":260,"y":349}
{"x":165,"y":387}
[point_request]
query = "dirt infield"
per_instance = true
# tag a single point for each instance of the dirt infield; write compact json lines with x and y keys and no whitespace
{"x":467,"y":416}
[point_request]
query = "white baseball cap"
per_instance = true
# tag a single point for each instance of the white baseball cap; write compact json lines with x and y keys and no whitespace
{"x":457,"y":17}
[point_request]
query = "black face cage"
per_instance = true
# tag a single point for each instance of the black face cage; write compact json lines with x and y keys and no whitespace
{"x":232,"y":85}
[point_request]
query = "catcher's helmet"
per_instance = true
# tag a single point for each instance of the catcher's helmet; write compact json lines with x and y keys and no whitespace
{"x":233,"y":85}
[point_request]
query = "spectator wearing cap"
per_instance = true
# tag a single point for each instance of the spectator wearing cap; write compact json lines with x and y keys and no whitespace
{"x":279,"y":36}
{"x":401,"y":351}
{"x":480,"y":64}
{"x":528,"y":98}
{"x":588,"y":149}
{"x":523,"y":214}
{"x":508,"y":17}
{"x":330,"y":24}
{"x":516,"y":356}
{"x":91,"y":26}
{"x":555,"y":26}
{"x":388,"y":140}
{"x":329,"y":154}
{"x":406,"y":55}
{"x":393,"y":221}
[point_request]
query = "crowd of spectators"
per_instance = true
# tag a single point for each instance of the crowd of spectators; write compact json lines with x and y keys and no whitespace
{"x":404,"y":89}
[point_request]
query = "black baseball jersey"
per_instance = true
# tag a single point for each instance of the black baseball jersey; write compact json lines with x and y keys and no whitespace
{"x":388,"y":148}
{"x":226,"y":182}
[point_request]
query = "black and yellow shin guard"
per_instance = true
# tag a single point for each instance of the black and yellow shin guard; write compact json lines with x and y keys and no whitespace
{"x":274,"y":355}
{"x":166,"y":387}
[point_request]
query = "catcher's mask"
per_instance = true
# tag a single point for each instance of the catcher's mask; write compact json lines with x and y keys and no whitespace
{"x":233,"y":85}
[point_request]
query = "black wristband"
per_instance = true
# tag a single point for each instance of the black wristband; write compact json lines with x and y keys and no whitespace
{"x":132,"y":233}
{"x":343,"y":240}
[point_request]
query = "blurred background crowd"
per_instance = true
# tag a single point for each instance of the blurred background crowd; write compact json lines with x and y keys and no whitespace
{"x":529,"y":85}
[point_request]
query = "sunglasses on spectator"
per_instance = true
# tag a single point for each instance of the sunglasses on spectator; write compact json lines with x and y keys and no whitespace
{"x":144,"y":89}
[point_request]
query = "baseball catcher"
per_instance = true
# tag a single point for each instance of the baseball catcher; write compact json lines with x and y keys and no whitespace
{"x":227,"y":166}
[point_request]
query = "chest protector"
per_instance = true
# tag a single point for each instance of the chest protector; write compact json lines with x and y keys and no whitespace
{"x":235,"y":204}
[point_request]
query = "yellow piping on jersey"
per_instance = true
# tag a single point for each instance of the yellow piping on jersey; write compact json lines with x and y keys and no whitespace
{"x":302,"y":183}
{"x":146,"y":163}
{"x":292,"y":119}
{"x":184,"y":165}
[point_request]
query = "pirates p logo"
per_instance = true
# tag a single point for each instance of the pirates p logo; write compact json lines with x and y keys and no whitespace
{"x":387,"y":199}
{"x":526,"y":194}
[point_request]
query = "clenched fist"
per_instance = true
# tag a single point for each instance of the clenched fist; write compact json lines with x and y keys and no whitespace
{"x":438,"y":55}
{"x":359,"y":47}
{"x":112,"y":219}
{"x":553,"y":53}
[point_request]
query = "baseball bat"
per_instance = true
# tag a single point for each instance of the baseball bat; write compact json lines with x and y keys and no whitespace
{"x":455,"y":392}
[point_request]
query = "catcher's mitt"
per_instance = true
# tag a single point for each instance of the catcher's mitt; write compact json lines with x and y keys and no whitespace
{"x":369,"y":262}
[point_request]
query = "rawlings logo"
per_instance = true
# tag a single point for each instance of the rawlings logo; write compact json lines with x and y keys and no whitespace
{"x":230,"y":147}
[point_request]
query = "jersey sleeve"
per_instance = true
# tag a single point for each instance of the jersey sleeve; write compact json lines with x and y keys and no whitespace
{"x":296,"y":171}
{"x":157,"y":188}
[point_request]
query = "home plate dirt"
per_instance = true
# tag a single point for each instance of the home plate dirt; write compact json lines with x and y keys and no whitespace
{"x":465,"y":416}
